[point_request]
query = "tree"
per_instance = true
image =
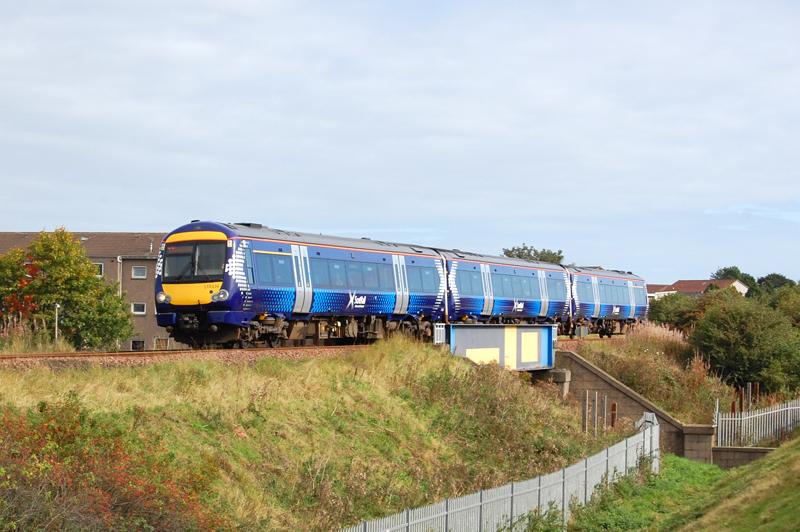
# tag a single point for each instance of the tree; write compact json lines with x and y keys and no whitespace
{"x":774,"y":281}
{"x":746,"y":340}
{"x":527,"y":252}
{"x":786,"y":300}
{"x":54,"y":270}
{"x":733,"y":272}
{"x":676,"y":310}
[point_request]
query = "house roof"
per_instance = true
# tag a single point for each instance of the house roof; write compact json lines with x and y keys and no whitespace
{"x":686,"y":286}
{"x":653,"y":288}
{"x":97,"y":244}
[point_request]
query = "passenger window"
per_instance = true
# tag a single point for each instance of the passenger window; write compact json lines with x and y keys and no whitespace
{"x":355,"y":275}
{"x":430,"y":280}
{"x":517,"y":286}
{"x":319,"y":273}
{"x":526,"y":287}
{"x":371,"y":276}
{"x":386,"y":277}
{"x":264,"y":268}
{"x":282,"y":271}
{"x":462,"y":282}
{"x":414,"y":278}
{"x":338,"y":278}
{"x":508,"y":288}
{"x":497,"y":285}
{"x":476,"y":282}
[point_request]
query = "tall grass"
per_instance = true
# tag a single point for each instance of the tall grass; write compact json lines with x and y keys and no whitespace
{"x":659,"y":364}
{"x":22,"y":338}
{"x":323,"y":443}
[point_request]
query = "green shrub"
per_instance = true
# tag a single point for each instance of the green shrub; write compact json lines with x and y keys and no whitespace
{"x":747,"y":341}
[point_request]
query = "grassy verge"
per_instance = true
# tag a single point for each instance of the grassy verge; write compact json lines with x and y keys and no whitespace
{"x":280,"y":444}
{"x":645,"y":501}
{"x":762,"y":495}
{"x":660,"y":365}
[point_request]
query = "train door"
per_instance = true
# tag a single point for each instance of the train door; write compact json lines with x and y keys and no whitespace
{"x":400,"y":284}
{"x":542,"y":277}
{"x":488,"y":293}
{"x":632,"y":299}
{"x":596,"y":293}
{"x":302,"y":280}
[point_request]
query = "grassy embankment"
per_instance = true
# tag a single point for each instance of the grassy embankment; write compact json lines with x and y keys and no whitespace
{"x":279,"y":444}
{"x":661,"y":365}
{"x":763,"y":495}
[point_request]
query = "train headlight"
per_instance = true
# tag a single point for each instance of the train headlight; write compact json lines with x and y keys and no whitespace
{"x":222,"y":295}
{"x":162,"y":297}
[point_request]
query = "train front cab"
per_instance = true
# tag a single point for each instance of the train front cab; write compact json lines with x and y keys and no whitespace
{"x":192,"y":294}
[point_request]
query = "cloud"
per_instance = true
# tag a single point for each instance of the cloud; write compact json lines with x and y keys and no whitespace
{"x":484,"y":125}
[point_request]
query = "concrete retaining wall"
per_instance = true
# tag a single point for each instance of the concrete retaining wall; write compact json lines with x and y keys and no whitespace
{"x":691,"y":441}
{"x":728,"y":457}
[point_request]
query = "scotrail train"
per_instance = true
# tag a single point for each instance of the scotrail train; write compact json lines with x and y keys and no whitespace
{"x":220,"y":284}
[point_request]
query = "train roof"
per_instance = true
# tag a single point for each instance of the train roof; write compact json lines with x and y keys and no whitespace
{"x":596,"y":270}
{"x":255,"y":230}
{"x":457,"y":254}
{"x":252,"y":230}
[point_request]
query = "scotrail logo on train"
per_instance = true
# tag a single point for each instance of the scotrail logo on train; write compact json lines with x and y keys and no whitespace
{"x":519,"y":306}
{"x":356,"y":301}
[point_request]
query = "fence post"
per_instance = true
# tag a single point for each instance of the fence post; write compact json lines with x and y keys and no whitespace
{"x":608,"y":474}
{"x":585,"y":481}
{"x":539,"y":493}
{"x":512,"y":505}
{"x":447,"y":515}
{"x":480,"y":511}
{"x":365,"y":526}
{"x":408,"y":520}
{"x":626,"y":456}
{"x":564,"y":492}
{"x":595,"y":407}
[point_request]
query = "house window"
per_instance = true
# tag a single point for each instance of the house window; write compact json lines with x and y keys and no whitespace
{"x":137,"y":345}
{"x":139,"y":309}
{"x":139,"y":272}
{"x":99,"y":266}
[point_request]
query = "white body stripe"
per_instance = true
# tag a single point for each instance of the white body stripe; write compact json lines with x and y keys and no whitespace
{"x":302,"y":280}
{"x":545,"y":297}
{"x":488,"y":293}
{"x":632,"y":297}
{"x":596,"y":292}
{"x":400,"y":284}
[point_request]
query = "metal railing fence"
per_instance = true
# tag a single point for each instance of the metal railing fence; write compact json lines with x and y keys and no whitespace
{"x":499,"y":507}
{"x":748,"y":428}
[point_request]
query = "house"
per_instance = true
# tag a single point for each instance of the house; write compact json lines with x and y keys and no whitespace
{"x":694,"y":287}
{"x":128,"y":259}
{"x":654,"y":291}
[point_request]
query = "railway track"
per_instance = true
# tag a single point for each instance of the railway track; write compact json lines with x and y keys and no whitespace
{"x":138,"y":358}
{"x":251,"y":354}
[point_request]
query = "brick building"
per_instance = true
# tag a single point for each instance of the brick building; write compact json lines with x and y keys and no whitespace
{"x":125,"y":258}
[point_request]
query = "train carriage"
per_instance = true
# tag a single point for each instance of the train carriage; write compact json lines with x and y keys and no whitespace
{"x":482,"y":288}
{"x":242,"y":283}
{"x":606,"y":299}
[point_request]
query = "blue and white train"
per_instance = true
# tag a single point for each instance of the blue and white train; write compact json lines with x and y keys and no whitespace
{"x":245,"y":284}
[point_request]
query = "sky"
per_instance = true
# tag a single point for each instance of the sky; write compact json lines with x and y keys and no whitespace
{"x":656,"y":137}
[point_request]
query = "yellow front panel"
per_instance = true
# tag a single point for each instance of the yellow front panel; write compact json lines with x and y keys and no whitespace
{"x":197,"y":235}
{"x":191,"y":293}
{"x":511,"y":347}
{"x":530,"y":347}
{"x":484,"y":355}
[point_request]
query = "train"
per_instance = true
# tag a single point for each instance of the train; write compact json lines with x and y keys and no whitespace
{"x":244,"y":284}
